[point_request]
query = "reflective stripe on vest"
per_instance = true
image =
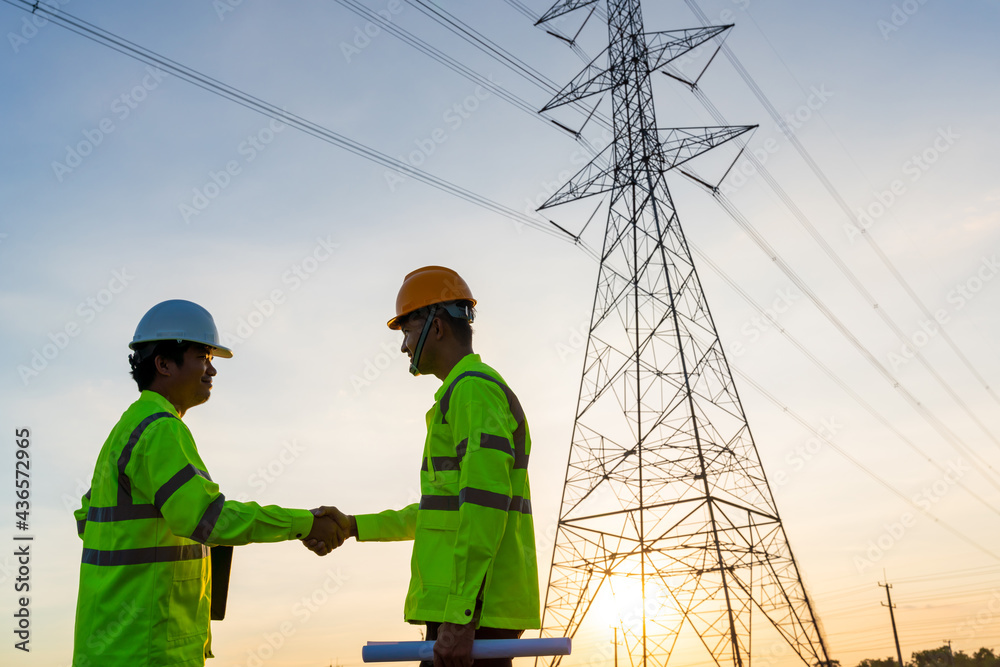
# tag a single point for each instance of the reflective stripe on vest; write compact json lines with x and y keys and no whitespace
{"x":177,"y":481}
{"x":127,"y":510}
{"x":520,"y":453}
{"x":476,"y":497}
{"x":144,"y":555}
{"x":124,"y":483}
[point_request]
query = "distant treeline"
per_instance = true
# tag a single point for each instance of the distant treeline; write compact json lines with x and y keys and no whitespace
{"x":940,"y":657}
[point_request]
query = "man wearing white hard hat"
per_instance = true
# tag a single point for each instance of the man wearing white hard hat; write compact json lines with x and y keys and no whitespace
{"x":153,"y":511}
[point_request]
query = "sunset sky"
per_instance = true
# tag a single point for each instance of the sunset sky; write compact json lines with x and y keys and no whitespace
{"x":123,"y":186}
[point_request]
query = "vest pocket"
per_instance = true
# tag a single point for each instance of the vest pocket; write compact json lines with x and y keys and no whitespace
{"x":189,"y":599}
{"x":436,"y":531}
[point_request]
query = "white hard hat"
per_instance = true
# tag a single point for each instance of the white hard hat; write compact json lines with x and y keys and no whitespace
{"x":181,"y":321}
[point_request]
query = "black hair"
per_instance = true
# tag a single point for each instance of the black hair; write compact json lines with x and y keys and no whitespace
{"x":461,"y":327}
{"x":143,"y":360}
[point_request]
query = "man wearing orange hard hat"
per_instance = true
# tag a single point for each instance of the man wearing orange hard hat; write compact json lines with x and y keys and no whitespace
{"x":473,"y":568}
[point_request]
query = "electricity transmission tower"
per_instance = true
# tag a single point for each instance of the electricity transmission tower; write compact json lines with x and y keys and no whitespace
{"x":664,"y":485}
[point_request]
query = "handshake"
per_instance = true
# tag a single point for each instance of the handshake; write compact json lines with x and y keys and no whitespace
{"x":330,"y":528}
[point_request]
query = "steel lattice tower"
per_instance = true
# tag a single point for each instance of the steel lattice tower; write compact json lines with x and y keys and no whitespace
{"x":664,"y":484}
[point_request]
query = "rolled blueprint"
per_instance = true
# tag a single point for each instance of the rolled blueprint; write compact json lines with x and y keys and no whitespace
{"x":481,"y":649}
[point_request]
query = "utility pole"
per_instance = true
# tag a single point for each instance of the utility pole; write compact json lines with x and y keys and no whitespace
{"x":951,"y":655}
{"x":891,"y":606}
{"x":664,"y":484}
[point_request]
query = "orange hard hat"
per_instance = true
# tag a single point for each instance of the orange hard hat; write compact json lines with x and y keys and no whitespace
{"x":427,"y":286}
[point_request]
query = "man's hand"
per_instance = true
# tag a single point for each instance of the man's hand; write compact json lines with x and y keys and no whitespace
{"x":330,"y":528}
{"x":453,"y":647}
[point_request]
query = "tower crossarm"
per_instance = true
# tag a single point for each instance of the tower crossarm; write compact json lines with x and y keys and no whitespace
{"x":563,"y":7}
{"x":593,"y":79}
{"x":663,"y":48}
{"x":594,"y":179}
{"x":668,"y":45}
{"x":681,"y":144}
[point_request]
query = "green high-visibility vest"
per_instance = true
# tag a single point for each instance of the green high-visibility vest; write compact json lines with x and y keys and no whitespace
{"x":146,"y":524}
{"x":472,"y":531}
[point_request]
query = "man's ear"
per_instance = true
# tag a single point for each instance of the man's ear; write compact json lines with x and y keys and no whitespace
{"x":439,"y":328}
{"x":163,"y":365}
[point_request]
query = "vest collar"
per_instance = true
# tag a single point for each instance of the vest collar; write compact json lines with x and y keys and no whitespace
{"x":464,"y":364}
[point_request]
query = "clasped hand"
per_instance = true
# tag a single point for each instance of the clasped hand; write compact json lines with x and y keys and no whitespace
{"x":330,"y":528}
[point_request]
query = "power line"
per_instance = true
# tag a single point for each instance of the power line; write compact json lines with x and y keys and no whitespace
{"x":839,"y":199}
{"x":751,"y":231}
{"x":451,"y":63}
{"x":851,"y":277}
{"x":481,"y":42}
{"x":205,"y":82}
{"x":865,"y":469}
{"x":703,"y":257}
{"x":785,"y":268}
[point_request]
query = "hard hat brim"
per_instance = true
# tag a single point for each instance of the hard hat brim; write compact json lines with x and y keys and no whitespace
{"x":217,"y":350}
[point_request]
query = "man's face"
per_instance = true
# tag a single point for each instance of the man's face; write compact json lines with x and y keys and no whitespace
{"x":192,"y":382}
{"x":411,"y":335}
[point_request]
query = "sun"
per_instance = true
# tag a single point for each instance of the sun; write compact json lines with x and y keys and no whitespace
{"x":621,"y":603}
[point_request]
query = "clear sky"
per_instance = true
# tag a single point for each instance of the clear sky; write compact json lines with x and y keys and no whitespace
{"x":122,"y":187}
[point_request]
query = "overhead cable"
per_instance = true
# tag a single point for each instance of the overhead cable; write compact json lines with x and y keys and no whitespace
{"x":205,"y":82}
{"x":841,"y":202}
{"x":704,"y":258}
{"x":851,"y":277}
